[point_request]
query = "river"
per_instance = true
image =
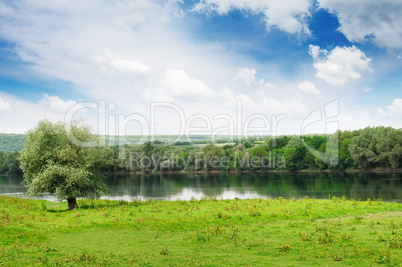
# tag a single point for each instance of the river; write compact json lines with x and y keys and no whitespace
{"x":320,"y":185}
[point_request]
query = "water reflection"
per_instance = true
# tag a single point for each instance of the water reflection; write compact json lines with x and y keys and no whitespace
{"x":387,"y":186}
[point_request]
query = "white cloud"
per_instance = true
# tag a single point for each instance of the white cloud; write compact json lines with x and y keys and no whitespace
{"x":288,"y":15}
{"x":314,"y":51}
{"x":55,"y":104}
{"x":232,"y":98}
{"x":4,"y":105}
{"x":291,"y":107}
{"x":265,"y":103}
{"x":226,"y":93}
{"x":394,"y":109}
{"x":369,"y":20}
{"x":247,"y":75}
{"x":66,"y":43}
{"x":309,"y":88}
{"x":181,"y":85}
{"x":267,"y":86}
{"x":367,"y":89}
{"x":340,"y":65}
{"x":109,"y":63}
{"x":381,"y":112}
{"x":25,"y":115}
{"x":173,"y":6}
{"x":269,"y":103}
{"x":356,"y":118}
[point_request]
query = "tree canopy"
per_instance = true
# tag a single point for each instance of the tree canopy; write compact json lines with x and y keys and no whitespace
{"x":12,"y":142}
{"x":9,"y":163}
{"x":55,"y":160}
{"x":369,"y":148}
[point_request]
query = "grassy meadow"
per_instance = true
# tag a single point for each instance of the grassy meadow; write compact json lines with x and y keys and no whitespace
{"x":204,"y":232}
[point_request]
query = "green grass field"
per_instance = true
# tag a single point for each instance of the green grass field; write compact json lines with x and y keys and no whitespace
{"x":206,"y":232}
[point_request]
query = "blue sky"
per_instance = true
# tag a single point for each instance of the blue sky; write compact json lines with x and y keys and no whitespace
{"x":197,"y":61}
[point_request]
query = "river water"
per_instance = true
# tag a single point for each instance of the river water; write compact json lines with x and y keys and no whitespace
{"x":320,"y":185}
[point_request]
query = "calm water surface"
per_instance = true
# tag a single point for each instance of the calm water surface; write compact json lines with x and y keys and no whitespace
{"x":387,"y":186}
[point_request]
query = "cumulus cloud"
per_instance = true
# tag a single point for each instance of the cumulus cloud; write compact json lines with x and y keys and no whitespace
{"x":247,"y":75}
{"x":232,"y":98}
{"x":25,"y":114}
{"x":181,"y":85}
{"x":55,"y":104}
{"x":314,"y":51}
{"x":288,"y":15}
{"x":4,"y":105}
{"x":369,"y":20}
{"x":263,"y":102}
{"x":339,"y":65}
{"x":66,"y":43}
{"x":394,"y":109}
{"x":290,"y":107}
{"x":109,"y":63}
{"x":309,"y":88}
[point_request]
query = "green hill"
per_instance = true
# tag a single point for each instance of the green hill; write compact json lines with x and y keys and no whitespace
{"x":12,"y":142}
{"x":15,"y":142}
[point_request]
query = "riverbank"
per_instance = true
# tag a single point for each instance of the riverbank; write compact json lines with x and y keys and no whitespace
{"x":260,"y":171}
{"x":248,"y":171}
{"x":257,"y":232}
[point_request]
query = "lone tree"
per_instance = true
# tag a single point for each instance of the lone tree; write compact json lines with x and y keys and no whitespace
{"x":58,"y":160}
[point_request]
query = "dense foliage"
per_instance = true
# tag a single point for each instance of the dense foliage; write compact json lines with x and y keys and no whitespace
{"x":55,"y":163}
{"x":9,"y":163}
{"x":372,"y":147}
{"x":12,"y":142}
{"x":378,"y":147}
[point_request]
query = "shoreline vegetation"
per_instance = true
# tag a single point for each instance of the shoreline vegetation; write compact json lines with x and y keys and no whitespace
{"x":258,"y":171}
{"x":368,"y":149}
{"x":201,"y":232}
{"x":241,"y":171}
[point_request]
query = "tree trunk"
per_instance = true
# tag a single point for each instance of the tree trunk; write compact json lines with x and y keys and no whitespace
{"x":72,"y":203}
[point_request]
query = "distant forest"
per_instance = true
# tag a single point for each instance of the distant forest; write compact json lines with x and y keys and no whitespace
{"x":369,"y":148}
{"x":12,"y":142}
{"x":15,"y":142}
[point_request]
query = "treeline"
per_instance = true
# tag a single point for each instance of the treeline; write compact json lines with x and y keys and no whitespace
{"x":12,"y":142}
{"x":369,"y":148}
{"x":201,"y":142}
{"x":378,"y":147}
{"x":16,"y":142}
